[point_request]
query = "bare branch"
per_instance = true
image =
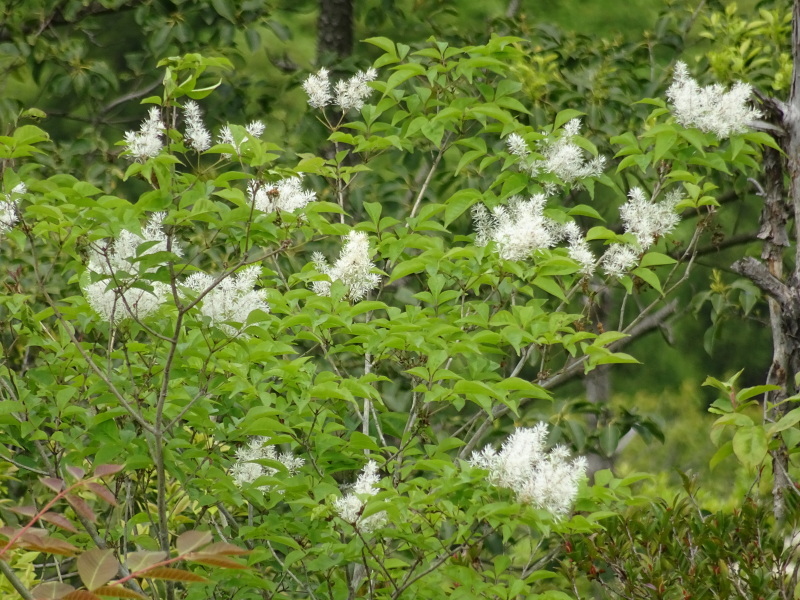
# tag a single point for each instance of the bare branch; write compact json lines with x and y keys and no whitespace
{"x":758,"y":273}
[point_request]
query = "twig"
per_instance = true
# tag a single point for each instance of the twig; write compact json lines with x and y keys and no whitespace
{"x":427,"y":181}
{"x":14,"y":580}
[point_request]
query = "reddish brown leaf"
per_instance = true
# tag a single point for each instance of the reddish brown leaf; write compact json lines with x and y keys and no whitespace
{"x":32,"y":531}
{"x":38,"y":540}
{"x":81,"y":595}
{"x":8,"y":532}
{"x":138,"y":561}
{"x":117,"y":591}
{"x":76,"y":472}
{"x":226,"y":549}
{"x":97,"y":567}
{"x":104,"y":470}
{"x":25,"y":511}
{"x":59,"y":521}
{"x":51,"y":517}
{"x":216,"y":560}
{"x":54,"y":483}
{"x":81,"y":507}
{"x":174,"y":575}
{"x":51,"y":591}
{"x":102,"y":492}
{"x":192,"y":540}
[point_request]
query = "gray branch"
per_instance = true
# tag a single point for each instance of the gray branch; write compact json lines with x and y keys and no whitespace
{"x":758,"y":273}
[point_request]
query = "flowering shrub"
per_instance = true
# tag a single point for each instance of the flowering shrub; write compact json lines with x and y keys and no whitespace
{"x":356,"y":392}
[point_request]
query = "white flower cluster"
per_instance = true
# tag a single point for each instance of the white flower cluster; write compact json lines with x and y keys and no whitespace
{"x":231,"y":300}
{"x":710,"y":108}
{"x":349,"y":94}
{"x":546,"y":480}
{"x":647,"y":221}
{"x":353,"y":268}
{"x":8,"y":208}
{"x":350,"y":506}
{"x":147,"y":142}
{"x":196,"y":133}
{"x":562,"y":157}
{"x":118,"y":298}
{"x":245,"y":471}
{"x":254,"y":130}
{"x":518,"y":229}
{"x":618,"y":259}
{"x":579,"y":248}
{"x":287,"y":195}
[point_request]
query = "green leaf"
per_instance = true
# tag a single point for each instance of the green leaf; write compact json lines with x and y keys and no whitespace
{"x":788,"y":420}
{"x":383,"y":43}
{"x":600,"y":233}
{"x":566,"y":115}
{"x":750,"y":445}
{"x":408,"y":267}
{"x":403,"y":73}
{"x":664,"y":143}
{"x":460,"y":202}
{"x":654,"y":259}
{"x":648,"y":276}
{"x":551,"y":286}
{"x":724,"y":452}
{"x":223,"y":8}
{"x":359,"y":441}
{"x":493,"y":111}
{"x":583,"y":210}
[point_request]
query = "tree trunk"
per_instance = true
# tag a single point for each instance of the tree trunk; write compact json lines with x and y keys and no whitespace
{"x":334,"y":29}
{"x":783,"y":293}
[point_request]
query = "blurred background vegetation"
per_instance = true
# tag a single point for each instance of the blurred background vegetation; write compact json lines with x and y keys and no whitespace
{"x":87,"y":64}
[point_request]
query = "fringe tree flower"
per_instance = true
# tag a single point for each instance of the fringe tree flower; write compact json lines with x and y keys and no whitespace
{"x":254,"y":129}
{"x":710,"y":108}
{"x":353,"y":92}
{"x":518,"y":229}
{"x":245,"y":471}
{"x":318,"y":88}
{"x":518,"y":146}
{"x":8,"y":208}
{"x":350,"y":506}
{"x":562,"y":157}
{"x":546,"y":480}
{"x":118,"y":298}
{"x":196,"y":133}
{"x":578,"y":248}
{"x":349,"y":94}
{"x":147,"y":142}
{"x":353,"y":268}
{"x":287,"y":195}
{"x":231,"y":300}
{"x":649,"y":220}
{"x":619,"y":259}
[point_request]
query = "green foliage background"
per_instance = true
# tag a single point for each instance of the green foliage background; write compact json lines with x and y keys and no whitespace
{"x":87,"y":76}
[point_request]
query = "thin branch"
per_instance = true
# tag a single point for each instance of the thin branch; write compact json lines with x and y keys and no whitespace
{"x":14,"y":580}
{"x":570,"y":371}
{"x":427,"y":181}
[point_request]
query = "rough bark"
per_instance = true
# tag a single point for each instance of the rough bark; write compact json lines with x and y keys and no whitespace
{"x":783,"y":292}
{"x":334,"y":29}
